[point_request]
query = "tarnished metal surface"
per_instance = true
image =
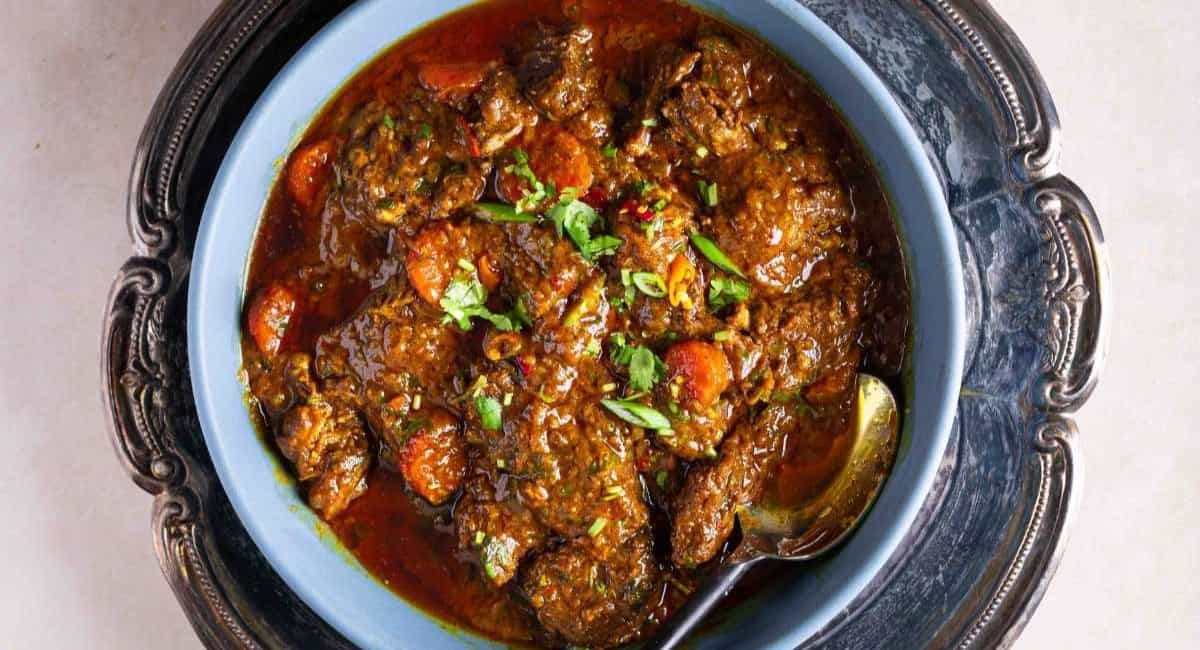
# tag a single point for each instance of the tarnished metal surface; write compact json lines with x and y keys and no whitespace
{"x":987,"y":541}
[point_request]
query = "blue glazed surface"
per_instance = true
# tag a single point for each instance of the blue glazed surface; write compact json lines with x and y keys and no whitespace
{"x":281,"y":524}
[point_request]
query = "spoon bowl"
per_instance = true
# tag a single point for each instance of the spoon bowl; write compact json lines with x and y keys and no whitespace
{"x":816,"y":527}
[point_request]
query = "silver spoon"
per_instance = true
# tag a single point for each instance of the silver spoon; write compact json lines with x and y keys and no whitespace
{"x":812,"y":530}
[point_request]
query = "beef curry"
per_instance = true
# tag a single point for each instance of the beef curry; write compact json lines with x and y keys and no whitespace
{"x":548,"y":290}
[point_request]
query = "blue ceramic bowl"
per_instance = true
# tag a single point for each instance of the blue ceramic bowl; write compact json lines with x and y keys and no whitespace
{"x":307,"y":555}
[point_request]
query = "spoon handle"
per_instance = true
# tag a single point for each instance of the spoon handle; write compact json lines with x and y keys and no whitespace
{"x":679,"y":626}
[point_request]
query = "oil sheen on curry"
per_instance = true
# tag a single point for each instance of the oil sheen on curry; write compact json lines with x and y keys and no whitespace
{"x":552,"y":287}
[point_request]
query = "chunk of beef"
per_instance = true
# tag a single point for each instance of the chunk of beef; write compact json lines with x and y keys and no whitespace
{"x":725,"y":67}
{"x":778,"y":213}
{"x":567,"y":456}
{"x":326,"y":443}
{"x":701,"y":116}
{"x":405,"y":164}
{"x":803,"y":338}
{"x":593,"y":125}
{"x":580,"y":478}
{"x":540,"y":268}
{"x":696,"y":434}
{"x":556,"y":73}
{"x":344,"y":479}
{"x":706,"y":507}
{"x":657,"y":243}
{"x":592,"y":602}
{"x":281,"y":382}
{"x":492,"y":523}
{"x":503,"y":112}
{"x":667,"y":69}
{"x":395,"y":344}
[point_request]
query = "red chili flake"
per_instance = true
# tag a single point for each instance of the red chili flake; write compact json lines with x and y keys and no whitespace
{"x":525,"y":363}
{"x":639,"y":211}
{"x":643,"y":463}
{"x":597,"y":197}
{"x":472,"y":141}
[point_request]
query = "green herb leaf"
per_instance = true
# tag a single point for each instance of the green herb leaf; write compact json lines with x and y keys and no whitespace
{"x":609,"y":150}
{"x":464,"y":299}
{"x":714,"y":254}
{"x":723,"y":292}
{"x":388,"y":121}
{"x":650,"y":122}
{"x":489,"y":412}
{"x":645,"y":369}
{"x":576,"y":218}
{"x":637,"y":414}
{"x":425,"y":132}
{"x":650,"y":284}
{"x":537,"y":190}
{"x":501,"y":213}
{"x":385,"y":204}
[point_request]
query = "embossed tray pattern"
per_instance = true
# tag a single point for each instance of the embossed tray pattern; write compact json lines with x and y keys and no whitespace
{"x":987,"y":541}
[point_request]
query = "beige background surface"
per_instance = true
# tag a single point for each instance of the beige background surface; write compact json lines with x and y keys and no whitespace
{"x":77,"y":78}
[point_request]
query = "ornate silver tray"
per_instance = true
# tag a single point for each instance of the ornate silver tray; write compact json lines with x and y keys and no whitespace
{"x":976,"y":563}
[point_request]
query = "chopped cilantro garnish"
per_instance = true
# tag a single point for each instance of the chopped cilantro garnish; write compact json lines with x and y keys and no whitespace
{"x":425,"y":131}
{"x":723,"y":292}
{"x":645,"y":368}
{"x":722,"y":336}
{"x":464,"y":299}
{"x":489,"y":412}
{"x":609,"y":150}
{"x":650,"y":122}
{"x":702,"y":152}
{"x":388,"y":121}
{"x":385,"y":204}
{"x":661,"y":479}
{"x":576,"y":218}
{"x":537,"y":191}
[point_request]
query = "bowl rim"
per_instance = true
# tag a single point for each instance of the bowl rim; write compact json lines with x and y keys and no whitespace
{"x":203,"y":293}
